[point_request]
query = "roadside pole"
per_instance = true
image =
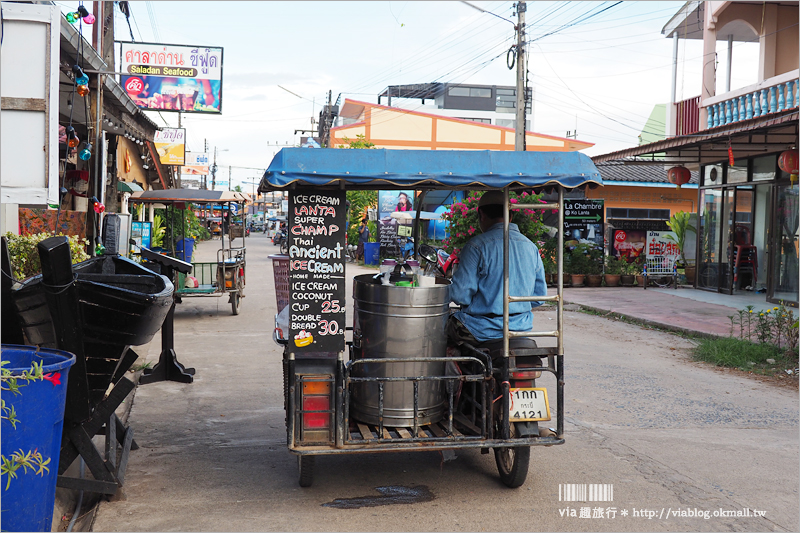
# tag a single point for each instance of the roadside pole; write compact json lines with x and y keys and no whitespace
{"x":519,"y":132}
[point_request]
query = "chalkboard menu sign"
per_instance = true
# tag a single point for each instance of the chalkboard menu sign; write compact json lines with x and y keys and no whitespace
{"x":316,"y":239}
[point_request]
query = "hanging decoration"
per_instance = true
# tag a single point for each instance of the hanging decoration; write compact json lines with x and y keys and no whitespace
{"x":788,"y":162}
{"x":87,"y":17}
{"x":72,"y":137}
{"x":86,"y":153}
{"x":679,"y":175}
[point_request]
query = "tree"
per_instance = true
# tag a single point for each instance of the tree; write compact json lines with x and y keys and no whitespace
{"x":359,"y":142}
{"x":238,"y":188}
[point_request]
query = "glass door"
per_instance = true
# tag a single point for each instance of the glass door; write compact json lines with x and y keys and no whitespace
{"x":744,"y":258}
{"x":708,"y":234}
{"x":784,"y":281}
{"x":728,"y":222}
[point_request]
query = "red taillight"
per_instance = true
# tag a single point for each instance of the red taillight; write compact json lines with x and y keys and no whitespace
{"x":316,"y":420}
{"x":526,"y":374}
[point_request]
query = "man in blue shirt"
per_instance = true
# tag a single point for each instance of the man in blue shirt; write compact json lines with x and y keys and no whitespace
{"x":478,"y":282}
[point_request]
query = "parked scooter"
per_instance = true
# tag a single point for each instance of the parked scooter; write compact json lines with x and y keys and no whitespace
{"x":280,"y":240}
{"x":438,"y":261}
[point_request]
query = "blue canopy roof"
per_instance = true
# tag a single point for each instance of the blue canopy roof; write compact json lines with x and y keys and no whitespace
{"x":427,"y":169}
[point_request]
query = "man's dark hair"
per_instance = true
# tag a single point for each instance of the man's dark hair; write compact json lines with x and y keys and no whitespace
{"x":492,"y":210}
{"x":364,"y":219}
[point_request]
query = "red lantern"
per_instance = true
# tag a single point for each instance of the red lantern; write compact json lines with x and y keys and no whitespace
{"x":679,"y":175}
{"x":788,"y":162}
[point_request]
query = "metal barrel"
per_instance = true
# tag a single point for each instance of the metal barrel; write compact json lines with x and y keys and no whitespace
{"x":399,"y":322}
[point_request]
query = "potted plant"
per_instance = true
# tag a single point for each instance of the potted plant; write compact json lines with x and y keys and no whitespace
{"x":628,"y":277}
{"x":594,"y":267}
{"x":34,"y":390}
{"x":578,"y":264}
{"x":613,"y":270}
{"x":636,"y":269}
{"x":680,"y":226}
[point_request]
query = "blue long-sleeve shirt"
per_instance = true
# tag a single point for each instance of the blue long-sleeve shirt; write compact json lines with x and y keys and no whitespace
{"x":478,"y":282}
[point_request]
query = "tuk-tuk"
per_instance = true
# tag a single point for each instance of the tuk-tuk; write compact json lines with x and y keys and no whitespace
{"x":392,"y":386}
{"x":226,"y":275}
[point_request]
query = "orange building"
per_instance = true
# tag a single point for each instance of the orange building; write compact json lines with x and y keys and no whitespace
{"x":398,"y":128}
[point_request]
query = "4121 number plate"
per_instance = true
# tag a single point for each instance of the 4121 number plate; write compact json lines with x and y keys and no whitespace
{"x":528,"y":405}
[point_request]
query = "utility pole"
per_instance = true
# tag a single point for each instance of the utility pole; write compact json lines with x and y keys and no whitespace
{"x":519,"y":132}
{"x":214,"y":171}
{"x":204,"y":184}
{"x":229,"y":177}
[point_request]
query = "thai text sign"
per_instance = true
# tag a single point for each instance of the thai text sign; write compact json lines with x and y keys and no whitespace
{"x":196,"y":164}
{"x":316,"y":239}
{"x":171,"y":145}
{"x":181,"y":78}
{"x":658,"y":245}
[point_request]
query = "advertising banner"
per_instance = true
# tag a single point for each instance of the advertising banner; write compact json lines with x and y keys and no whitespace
{"x":171,"y":146}
{"x":583,"y":221}
{"x":317,"y":271}
{"x":388,"y":227}
{"x":169,"y":77}
{"x":140,"y":232}
{"x":629,"y":244}
{"x":196,"y":164}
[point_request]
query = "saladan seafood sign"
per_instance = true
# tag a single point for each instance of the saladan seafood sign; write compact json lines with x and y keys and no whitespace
{"x":171,"y":77}
{"x":316,"y":239}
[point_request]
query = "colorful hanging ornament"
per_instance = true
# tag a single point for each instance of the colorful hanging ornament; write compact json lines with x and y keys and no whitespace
{"x":80,"y":77}
{"x":789,"y":161}
{"x":73,"y":17}
{"x":679,"y":175}
{"x":72,"y":137}
{"x":83,"y":90}
{"x":86,"y":153}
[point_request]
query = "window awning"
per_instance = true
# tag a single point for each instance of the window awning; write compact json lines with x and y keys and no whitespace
{"x":128,"y":186}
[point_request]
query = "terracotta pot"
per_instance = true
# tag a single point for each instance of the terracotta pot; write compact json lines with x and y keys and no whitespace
{"x":627,"y":280}
{"x":594,"y":280}
{"x":640,"y":280}
{"x":612,"y":280}
{"x":551,"y":280}
{"x":577,"y":280}
{"x":690,"y":272}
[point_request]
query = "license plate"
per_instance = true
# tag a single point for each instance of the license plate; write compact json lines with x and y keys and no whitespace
{"x":528,"y":405}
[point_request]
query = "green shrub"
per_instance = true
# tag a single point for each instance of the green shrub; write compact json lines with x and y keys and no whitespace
{"x":737,"y":353}
{"x":25,"y":256}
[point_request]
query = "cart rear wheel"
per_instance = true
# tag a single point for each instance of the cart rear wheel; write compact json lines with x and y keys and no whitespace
{"x":305,"y":464}
{"x":236,"y":302}
{"x":512,"y":464}
{"x":662,"y":281}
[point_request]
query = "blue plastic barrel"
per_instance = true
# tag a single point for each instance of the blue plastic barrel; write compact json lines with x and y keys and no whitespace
{"x":29,"y":502}
{"x":186,"y":244}
{"x":372,"y":251}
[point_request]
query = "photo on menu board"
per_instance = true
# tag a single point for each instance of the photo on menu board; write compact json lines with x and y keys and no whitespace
{"x":316,"y":240}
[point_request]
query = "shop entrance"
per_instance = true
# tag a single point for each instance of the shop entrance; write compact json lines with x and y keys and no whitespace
{"x":728,"y":259}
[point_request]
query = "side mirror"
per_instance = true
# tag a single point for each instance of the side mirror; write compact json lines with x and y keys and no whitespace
{"x":428,"y":253}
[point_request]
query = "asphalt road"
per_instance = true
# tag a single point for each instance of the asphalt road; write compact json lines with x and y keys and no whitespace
{"x":675,"y":439}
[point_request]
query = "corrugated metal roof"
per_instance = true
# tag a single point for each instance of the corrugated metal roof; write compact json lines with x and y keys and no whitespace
{"x":633,"y":170}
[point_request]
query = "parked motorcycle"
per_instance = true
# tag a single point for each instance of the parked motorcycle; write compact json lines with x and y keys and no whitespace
{"x":438,"y":261}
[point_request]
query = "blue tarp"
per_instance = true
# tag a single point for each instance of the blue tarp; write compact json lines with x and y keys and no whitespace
{"x":421,"y":169}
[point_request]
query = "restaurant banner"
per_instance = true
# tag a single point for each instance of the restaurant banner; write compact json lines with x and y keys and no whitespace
{"x":171,"y":146}
{"x":170,"y":77}
{"x":196,"y":164}
{"x":317,"y":294}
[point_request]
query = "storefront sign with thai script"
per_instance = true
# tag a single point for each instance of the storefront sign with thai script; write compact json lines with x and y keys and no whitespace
{"x":196,"y":164}
{"x":171,"y":145}
{"x":186,"y":79}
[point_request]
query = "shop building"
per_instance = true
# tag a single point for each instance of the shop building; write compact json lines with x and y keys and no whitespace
{"x":739,"y":141}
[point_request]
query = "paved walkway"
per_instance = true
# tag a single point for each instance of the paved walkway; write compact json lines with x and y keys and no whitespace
{"x":685,"y":309}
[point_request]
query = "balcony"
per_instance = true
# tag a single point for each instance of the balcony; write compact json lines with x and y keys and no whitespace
{"x":770,"y":96}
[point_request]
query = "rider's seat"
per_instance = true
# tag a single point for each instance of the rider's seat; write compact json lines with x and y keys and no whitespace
{"x":518,"y":347}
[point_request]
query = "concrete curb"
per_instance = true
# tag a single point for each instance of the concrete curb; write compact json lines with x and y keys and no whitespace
{"x":646,"y":322}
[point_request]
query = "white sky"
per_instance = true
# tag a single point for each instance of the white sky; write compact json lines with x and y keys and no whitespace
{"x":604,"y":72}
